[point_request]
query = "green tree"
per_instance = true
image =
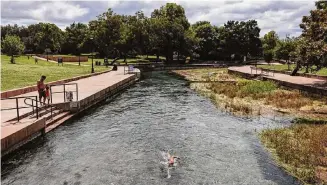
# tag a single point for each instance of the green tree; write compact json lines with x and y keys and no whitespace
{"x":208,"y":39}
{"x":311,"y":49}
{"x":76,"y":35}
{"x":44,"y":36}
{"x":284,"y":48}
{"x":241,"y":38}
{"x":105,"y":33}
{"x":12,"y":45}
{"x":169,"y":26}
{"x":269,"y":41}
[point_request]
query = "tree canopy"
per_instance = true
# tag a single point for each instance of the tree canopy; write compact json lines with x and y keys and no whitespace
{"x":167,"y":32}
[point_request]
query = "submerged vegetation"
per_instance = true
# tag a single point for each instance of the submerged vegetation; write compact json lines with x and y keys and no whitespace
{"x":302,"y":148}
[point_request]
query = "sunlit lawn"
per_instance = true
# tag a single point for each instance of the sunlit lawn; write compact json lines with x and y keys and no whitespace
{"x":284,"y":67}
{"x":25,"y":72}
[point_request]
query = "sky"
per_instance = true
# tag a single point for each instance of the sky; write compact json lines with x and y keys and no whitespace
{"x":283,"y":16}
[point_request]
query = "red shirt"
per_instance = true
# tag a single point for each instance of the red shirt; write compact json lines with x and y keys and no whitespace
{"x":47,"y":93}
{"x":40,"y":85}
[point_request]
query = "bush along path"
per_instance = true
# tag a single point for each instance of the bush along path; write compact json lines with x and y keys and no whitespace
{"x":302,"y":148}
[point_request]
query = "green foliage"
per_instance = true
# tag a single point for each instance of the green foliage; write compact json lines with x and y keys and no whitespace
{"x":241,"y":38}
{"x":312,"y":47}
{"x":76,"y":39}
{"x":12,"y":45}
{"x":270,"y":40}
{"x":268,"y":55}
{"x":250,"y":87}
{"x":284,"y":48}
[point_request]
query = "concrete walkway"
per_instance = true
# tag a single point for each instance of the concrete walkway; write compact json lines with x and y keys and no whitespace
{"x":299,"y":80}
{"x":86,"y":87}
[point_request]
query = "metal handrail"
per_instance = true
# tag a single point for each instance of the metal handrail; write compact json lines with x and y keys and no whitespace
{"x":17,"y":107}
{"x":64,"y":86}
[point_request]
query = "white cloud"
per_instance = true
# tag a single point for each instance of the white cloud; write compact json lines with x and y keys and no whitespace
{"x":58,"y":10}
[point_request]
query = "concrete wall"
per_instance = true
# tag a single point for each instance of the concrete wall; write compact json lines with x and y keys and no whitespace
{"x":18,"y":138}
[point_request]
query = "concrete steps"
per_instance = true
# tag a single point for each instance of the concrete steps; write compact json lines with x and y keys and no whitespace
{"x":57,"y":120}
{"x":53,"y":119}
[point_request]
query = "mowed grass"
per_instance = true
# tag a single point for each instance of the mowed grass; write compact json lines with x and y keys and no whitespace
{"x":284,"y":67}
{"x":25,"y":72}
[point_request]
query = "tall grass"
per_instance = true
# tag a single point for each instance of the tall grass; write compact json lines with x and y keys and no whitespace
{"x":301,"y":149}
{"x":255,"y":89}
{"x":244,"y":88}
{"x":288,"y":99}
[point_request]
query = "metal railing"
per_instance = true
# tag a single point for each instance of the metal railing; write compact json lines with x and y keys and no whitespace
{"x":64,"y":90}
{"x":33,"y":98}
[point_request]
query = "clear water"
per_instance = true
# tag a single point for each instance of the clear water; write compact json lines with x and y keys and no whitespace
{"x":121,"y":142}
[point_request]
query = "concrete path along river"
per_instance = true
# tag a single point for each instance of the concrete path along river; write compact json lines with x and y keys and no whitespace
{"x":120,"y":142}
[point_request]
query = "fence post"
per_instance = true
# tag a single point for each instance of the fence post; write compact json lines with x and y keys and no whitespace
{"x":17,"y":109}
{"x":64,"y":93}
{"x":37,"y":109}
{"x":32,"y":106}
{"x":51,"y":93}
{"x":76,"y":92}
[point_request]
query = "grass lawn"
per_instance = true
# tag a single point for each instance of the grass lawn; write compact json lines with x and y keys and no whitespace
{"x":322,"y":72}
{"x":25,"y":72}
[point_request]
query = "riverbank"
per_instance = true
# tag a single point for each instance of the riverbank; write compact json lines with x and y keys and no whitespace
{"x":259,"y":98}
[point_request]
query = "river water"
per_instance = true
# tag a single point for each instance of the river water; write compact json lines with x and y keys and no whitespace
{"x":121,"y":141}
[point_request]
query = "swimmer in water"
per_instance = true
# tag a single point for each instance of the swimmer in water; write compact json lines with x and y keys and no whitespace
{"x":172,"y":160}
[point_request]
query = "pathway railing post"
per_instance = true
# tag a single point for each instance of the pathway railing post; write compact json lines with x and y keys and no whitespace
{"x":76,"y":92}
{"x":51,"y":93}
{"x":37,"y":108}
{"x":17,"y":109}
{"x":64,"y":93}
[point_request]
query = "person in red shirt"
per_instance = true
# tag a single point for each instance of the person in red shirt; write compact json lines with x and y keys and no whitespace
{"x":47,"y":93}
{"x":41,"y":89}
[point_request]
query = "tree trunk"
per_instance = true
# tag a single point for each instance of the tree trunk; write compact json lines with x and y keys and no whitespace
{"x":12,"y":59}
{"x":167,"y":57}
{"x":178,"y":56}
{"x":307,"y":68}
{"x":288,"y":65}
{"x":295,"y":70}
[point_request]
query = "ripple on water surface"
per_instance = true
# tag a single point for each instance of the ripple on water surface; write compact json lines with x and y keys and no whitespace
{"x":121,"y":143}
